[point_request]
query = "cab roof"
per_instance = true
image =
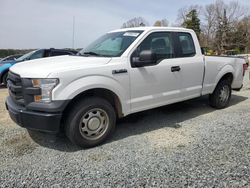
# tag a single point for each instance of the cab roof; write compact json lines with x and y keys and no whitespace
{"x":151,"y":29}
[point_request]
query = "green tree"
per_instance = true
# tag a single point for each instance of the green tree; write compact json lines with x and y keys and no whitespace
{"x":192,"y":21}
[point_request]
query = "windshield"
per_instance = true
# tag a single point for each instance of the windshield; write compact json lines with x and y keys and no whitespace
{"x":111,"y":44}
{"x":25,"y":56}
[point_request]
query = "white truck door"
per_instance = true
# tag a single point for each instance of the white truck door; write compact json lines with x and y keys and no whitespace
{"x":191,"y":65}
{"x":157,"y":85}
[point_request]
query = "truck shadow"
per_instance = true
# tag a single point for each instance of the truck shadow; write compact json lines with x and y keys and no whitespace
{"x":167,"y":116}
{"x":142,"y":122}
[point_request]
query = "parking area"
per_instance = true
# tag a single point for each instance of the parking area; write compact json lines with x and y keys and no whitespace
{"x":188,"y":144}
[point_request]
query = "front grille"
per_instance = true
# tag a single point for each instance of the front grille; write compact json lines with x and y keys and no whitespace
{"x":15,"y":87}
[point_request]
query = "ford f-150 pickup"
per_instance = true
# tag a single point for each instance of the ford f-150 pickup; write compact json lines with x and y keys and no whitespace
{"x":123,"y":72}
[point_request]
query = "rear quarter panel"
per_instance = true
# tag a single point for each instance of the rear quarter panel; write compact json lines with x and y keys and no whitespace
{"x":217,"y":67}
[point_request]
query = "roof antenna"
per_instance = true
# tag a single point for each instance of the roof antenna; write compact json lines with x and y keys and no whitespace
{"x":73,"y":34}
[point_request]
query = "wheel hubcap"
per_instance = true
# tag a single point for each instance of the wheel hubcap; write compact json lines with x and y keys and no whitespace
{"x":224,"y":94}
{"x":94,"y":124}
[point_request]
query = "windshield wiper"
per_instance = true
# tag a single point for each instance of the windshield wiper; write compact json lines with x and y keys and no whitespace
{"x":92,"y":53}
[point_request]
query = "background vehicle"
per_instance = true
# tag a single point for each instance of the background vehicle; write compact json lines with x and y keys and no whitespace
{"x":123,"y":72}
{"x":11,"y":57}
{"x":41,"y":53}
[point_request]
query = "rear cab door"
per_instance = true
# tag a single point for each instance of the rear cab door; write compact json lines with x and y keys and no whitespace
{"x":191,"y":62}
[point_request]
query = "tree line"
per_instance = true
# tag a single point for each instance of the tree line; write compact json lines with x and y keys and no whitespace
{"x":222,"y":28}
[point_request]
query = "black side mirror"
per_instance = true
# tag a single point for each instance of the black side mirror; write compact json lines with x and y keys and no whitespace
{"x":146,"y":58}
{"x":203,"y":51}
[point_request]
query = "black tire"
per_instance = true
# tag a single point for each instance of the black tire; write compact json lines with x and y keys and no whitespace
{"x":90,"y":115}
{"x":222,"y":94}
{"x":5,"y":78}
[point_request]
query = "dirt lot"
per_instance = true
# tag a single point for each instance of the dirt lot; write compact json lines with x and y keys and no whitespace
{"x":188,"y":144}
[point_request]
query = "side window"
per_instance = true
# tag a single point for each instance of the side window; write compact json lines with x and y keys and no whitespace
{"x":58,"y":53}
{"x":46,"y":53}
{"x":37,"y":54}
{"x":187,"y":45}
{"x":160,"y":43}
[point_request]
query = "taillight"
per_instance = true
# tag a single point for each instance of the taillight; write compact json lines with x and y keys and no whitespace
{"x":245,"y":66}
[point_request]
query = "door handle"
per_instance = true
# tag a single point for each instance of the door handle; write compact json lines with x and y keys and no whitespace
{"x":119,"y":71}
{"x":175,"y":69}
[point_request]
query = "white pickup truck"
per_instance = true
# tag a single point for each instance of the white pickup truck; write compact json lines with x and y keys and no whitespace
{"x":123,"y":72}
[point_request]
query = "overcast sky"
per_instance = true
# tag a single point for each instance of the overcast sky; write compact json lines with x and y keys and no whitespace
{"x":49,"y":23}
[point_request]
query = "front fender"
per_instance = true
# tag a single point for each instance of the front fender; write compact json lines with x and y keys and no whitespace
{"x":68,"y":91}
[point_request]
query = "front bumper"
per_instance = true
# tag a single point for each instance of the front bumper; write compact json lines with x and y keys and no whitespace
{"x":35,"y":120}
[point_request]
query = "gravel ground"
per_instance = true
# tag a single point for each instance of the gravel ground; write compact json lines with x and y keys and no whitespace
{"x":188,"y":144}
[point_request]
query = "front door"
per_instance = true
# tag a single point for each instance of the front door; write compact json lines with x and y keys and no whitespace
{"x":157,"y":85}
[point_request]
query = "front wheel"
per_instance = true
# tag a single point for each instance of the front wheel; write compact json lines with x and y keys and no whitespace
{"x":90,"y":122}
{"x":221,"y":96}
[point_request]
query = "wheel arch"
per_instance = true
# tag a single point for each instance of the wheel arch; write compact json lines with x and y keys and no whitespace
{"x":226,"y":72}
{"x":226,"y":76}
{"x":106,"y":94}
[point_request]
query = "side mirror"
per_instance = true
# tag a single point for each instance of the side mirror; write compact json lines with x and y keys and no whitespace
{"x":203,"y":51}
{"x":146,"y":58}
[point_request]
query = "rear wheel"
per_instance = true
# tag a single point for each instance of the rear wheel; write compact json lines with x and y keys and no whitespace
{"x":221,"y":96}
{"x":90,"y":122}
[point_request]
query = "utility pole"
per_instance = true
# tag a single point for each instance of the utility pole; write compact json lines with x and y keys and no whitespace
{"x":73,"y":34}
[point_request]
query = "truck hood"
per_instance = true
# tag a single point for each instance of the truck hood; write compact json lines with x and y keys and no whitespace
{"x":41,"y":68}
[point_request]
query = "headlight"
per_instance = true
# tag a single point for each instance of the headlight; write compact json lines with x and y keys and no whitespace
{"x":46,"y":85}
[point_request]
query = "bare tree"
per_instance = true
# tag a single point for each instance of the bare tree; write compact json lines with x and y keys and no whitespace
{"x":235,"y":12}
{"x":209,"y":25}
{"x":135,"y":22}
{"x":182,"y":12}
{"x":240,"y":38}
{"x":161,"y":23}
{"x":219,"y":20}
{"x":246,"y":24}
